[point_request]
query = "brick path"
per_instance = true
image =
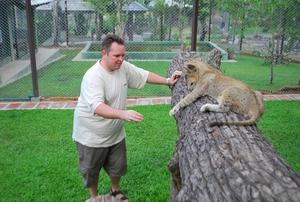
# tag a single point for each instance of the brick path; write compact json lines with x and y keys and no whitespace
{"x":130,"y":102}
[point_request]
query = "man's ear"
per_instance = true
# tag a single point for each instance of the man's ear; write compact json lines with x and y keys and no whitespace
{"x":104,"y":54}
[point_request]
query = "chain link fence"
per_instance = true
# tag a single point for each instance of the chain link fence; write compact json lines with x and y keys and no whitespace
{"x":259,"y":42}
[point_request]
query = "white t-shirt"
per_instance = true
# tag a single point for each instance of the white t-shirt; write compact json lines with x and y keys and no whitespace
{"x":100,"y":86}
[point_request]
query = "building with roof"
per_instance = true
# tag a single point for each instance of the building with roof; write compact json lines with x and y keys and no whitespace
{"x":13,"y":31}
{"x":74,"y":7}
{"x":70,"y":5}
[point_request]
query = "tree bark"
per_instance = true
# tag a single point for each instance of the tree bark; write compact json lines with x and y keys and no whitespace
{"x":226,"y":163}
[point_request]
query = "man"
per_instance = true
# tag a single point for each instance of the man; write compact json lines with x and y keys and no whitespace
{"x":101,"y":112}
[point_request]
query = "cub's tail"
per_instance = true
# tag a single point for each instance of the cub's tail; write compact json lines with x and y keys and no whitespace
{"x":238,"y":123}
{"x":254,"y":118}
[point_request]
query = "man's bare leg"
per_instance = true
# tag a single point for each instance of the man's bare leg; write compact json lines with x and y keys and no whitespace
{"x":115,"y":181}
{"x":94,"y":189}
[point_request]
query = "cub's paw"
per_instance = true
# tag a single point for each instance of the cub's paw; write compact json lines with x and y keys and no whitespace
{"x":172,"y":112}
{"x":205,"y":108}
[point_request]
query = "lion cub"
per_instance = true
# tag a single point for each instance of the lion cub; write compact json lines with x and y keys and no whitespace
{"x":230,"y":93}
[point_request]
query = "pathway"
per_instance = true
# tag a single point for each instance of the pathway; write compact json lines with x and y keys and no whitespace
{"x":130,"y":102}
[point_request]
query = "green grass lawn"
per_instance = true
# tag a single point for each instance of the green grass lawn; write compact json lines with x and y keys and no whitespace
{"x":38,"y":159}
{"x":63,"y":77}
{"x":256,"y":74}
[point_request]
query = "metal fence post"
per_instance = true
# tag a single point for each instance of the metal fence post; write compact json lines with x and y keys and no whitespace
{"x":32,"y":48}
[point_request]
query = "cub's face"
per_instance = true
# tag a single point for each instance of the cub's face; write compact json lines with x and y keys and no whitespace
{"x":191,"y":76}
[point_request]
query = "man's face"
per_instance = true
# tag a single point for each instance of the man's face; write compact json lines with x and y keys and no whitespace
{"x":114,"y":59}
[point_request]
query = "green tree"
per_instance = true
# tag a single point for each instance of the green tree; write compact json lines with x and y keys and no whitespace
{"x":184,"y":11}
{"x":203,"y":14}
{"x":121,"y":17}
{"x":238,"y":10}
{"x":276,"y":13}
{"x":100,"y":7}
{"x":159,"y":9}
{"x":291,"y":28}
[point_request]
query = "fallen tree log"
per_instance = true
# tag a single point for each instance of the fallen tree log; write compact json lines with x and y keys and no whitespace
{"x":226,"y":163}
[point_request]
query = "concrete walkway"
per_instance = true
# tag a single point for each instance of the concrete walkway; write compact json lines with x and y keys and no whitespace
{"x":17,"y":69}
{"x":71,"y":104}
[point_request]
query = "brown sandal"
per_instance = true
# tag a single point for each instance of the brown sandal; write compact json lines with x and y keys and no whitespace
{"x":115,"y":193}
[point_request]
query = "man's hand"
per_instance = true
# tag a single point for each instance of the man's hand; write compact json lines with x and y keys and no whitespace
{"x":174,"y":78}
{"x":131,"y":116}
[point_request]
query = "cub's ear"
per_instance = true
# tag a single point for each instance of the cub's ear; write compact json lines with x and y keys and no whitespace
{"x":191,"y":68}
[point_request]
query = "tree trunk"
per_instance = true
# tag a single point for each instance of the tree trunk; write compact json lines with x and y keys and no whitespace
{"x":226,"y":163}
